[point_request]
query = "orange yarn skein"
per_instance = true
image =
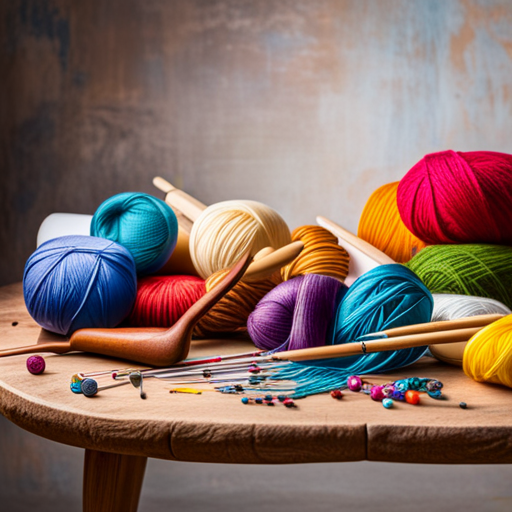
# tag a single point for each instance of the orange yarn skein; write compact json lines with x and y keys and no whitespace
{"x":231,"y":312}
{"x":380,"y":225}
{"x":321,"y":255}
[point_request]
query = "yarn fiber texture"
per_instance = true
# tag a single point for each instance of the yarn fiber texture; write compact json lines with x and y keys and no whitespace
{"x":380,"y":225}
{"x":455,"y":197}
{"x":225,"y":231}
{"x":162,"y":300}
{"x":77,"y":281}
{"x":488,"y":354}
{"x":450,"y":307}
{"x":144,"y":224}
{"x":296,"y":314}
{"x":230,"y":314}
{"x":385,"y":297}
{"x":321,"y":254}
{"x":470,"y":269}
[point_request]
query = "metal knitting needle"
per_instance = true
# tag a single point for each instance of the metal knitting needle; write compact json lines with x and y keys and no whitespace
{"x":136,"y":379}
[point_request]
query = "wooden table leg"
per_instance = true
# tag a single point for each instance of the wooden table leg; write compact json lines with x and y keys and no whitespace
{"x":112,"y":482}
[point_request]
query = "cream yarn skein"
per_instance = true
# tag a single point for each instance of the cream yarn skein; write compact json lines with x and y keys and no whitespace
{"x":225,"y":230}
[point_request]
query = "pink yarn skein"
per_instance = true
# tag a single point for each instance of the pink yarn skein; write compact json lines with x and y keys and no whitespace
{"x":454,"y":197}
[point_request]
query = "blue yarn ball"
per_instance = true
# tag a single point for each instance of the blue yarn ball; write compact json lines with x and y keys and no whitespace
{"x":144,"y":224}
{"x":72,"y":282}
{"x":387,"y":296}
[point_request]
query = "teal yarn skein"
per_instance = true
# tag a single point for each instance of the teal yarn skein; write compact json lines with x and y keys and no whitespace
{"x":482,"y":270}
{"x":385,"y":297}
{"x":144,"y":224}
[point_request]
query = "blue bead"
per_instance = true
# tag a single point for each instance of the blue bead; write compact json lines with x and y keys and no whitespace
{"x":387,"y":403}
{"x":76,"y":388}
{"x":258,"y":400}
{"x":245,"y":400}
{"x":89,"y":387}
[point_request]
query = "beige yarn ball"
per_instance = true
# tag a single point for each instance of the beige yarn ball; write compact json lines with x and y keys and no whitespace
{"x":225,"y":230}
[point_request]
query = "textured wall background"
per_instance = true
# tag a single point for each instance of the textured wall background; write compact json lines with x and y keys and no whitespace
{"x":305,"y":105}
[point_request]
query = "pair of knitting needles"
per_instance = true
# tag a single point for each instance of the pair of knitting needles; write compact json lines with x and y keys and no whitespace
{"x":260,"y":365}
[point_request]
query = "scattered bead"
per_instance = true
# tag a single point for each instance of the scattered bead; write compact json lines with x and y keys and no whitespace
{"x":245,"y":400}
{"x":387,"y":403}
{"x":289,"y":403}
{"x":282,"y":398}
{"x":75,"y":387}
{"x":258,"y":400}
{"x":412,"y":397}
{"x":89,"y":387}
{"x":337,"y":394}
{"x":269,"y":402}
{"x":463,"y":405}
{"x":14,"y":324}
{"x":36,"y":365}
{"x":377,"y":394}
{"x":354,"y":383}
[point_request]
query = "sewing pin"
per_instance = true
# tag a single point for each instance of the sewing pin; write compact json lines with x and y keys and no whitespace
{"x":136,"y":379}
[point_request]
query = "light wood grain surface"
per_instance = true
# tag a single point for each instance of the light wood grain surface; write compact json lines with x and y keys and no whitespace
{"x":218,"y":428}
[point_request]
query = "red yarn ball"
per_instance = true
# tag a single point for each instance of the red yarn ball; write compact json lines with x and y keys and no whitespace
{"x":450,"y":197}
{"x":162,"y":300}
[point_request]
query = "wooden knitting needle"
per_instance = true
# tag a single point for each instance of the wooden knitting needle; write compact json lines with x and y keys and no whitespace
{"x":367,"y":347}
{"x":447,"y":325}
{"x":363,"y":256}
{"x":179,"y":200}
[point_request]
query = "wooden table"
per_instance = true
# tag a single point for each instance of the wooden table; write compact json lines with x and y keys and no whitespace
{"x":119,"y":430}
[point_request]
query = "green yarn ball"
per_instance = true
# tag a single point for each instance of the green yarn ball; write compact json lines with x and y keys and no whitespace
{"x":144,"y":224}
{"x":481,"y":270}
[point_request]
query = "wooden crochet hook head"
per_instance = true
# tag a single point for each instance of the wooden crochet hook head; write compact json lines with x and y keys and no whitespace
{"x":155,"y":347}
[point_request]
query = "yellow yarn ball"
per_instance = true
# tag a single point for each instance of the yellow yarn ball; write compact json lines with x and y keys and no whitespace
{"x":488,"y":354}
{"x":224,"y":231}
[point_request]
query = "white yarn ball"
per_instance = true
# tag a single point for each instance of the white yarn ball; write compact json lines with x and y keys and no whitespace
{"x":224,"y":231}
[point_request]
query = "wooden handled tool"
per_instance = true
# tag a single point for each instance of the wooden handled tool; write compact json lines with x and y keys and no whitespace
{"x":186,"y":207}
{"x":363,"y":256}
{"x":152,"y":346}
{"x":380,"y":345}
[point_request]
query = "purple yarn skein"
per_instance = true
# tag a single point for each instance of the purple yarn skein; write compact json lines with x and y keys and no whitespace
{"x":298,"y":311}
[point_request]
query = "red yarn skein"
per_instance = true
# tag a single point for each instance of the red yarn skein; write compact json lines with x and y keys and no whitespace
{"x":454,"y":197}
{"x":162,"y":300}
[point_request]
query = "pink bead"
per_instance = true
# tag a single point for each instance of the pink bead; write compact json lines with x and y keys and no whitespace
{"x":354,"y":383}
{"x":377,"y":394}
{"x":36,"y":365}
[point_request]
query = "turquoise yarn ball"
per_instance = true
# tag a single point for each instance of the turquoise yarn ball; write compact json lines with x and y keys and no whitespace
{"x":73,"y":282}
{"x":144,"y":224}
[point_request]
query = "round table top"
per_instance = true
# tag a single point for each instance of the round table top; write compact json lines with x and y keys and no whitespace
{"x":213,"y":427}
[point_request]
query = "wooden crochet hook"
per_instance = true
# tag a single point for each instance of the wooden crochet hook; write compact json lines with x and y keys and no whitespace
{"x":363,"y":256}
{"x":151,"y":346}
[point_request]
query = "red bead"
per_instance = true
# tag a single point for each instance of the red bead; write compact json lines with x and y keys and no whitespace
{"x":36,"y":365}
{"x":337,"y":394}
{"x":412,"y":397}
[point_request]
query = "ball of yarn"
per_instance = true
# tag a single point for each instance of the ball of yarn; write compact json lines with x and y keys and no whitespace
{"x":295,"y":314}
{"x":488,"y":354}
{"x":321,"y":254}
{"x":470,"y":269}
{"x":380,"y":225}
{"x":451,"y":307}
{"x":230,"y":314}
{"x":387,"y":296}
{"x":76,"y":281}
{"x":162,"y":300}
{"x":454,"y":197}
{"x":224,"y":231}
{"x":144,"y":224}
